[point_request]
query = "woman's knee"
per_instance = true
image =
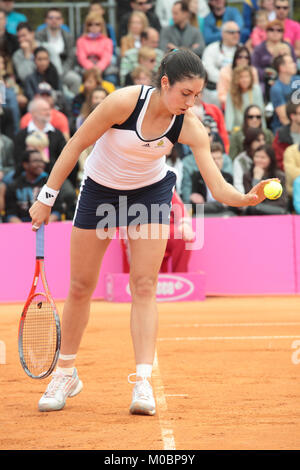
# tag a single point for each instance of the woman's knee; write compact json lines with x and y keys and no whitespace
{"x":81,"y":289}
{"x":143,"y":287}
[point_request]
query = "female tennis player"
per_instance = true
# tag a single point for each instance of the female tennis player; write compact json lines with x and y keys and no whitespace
{"x":133,"y":129}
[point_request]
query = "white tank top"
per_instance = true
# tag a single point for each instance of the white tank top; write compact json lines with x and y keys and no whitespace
{"x":123,"y":159}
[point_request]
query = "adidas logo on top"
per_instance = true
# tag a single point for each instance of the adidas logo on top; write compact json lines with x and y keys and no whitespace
{"x":48,"y":195}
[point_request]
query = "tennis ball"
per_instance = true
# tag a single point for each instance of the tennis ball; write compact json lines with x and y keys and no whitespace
{"x":273,"y":190}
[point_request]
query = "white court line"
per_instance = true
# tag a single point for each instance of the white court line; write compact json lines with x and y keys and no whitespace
{"x":165,"y":425}
{"x":224,"y":338}
{"x":224,"y":325}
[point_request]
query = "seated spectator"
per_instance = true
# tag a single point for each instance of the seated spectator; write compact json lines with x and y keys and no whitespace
{"x":45,"y":72}
{"x":141,"y":75}
{"x":94,"y":98}
{"x":264,"y":54}
{"x":22,"y":58}
{"x":253,"y":118}
{"x":210,"y":113}
{"x":218,"y":16}
{"x":291,"y":28}
{"x":259,"y":32}
{"x":144,"y":6}
{"x":254,"y":137}
{"x":23,"y":191}
{"x":97,"y":7}
{"x":58,"y":119}
{"x":216,"y":56}
{"x":241,"y":57}
{"x":137,"y":23}
{"x":163,"y":9}
{"x":150,"y":39}
{"x":63,"y":43}
{"x":243,"y":92}
{"x":284,"y":87}
{"x":287,"y":135}
{"x":264,"y":166}
{"x":296,"y":194}
{"x":147,"y":60}
{"x":93,"y":48}
{"x":40,"y":121}
{"x":91,"y":79}
{"x":8,"y":42}
{"x":181,"y":33}
{"x":13,"y":18}
{"x":201,"y":193}
{"x":291,"y":160}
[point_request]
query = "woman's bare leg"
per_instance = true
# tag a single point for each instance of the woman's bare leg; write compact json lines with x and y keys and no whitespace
{"x":87,"y":252}
{"x":146,"y":258}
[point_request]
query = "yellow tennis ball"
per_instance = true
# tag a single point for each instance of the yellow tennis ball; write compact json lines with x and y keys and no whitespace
{"x":273,"y":190}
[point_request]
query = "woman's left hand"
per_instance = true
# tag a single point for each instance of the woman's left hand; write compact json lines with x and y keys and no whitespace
{"x":257,"y":195}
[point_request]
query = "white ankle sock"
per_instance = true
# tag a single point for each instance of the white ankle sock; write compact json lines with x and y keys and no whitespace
{"x":144,"y":370}
{"x":65,"y":370}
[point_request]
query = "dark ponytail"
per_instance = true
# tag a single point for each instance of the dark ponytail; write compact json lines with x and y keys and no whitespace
{"x":180,"y":64}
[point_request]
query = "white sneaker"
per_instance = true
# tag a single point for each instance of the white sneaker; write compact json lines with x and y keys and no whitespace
{"x":60,"y":387}
{"x":143,"y":402}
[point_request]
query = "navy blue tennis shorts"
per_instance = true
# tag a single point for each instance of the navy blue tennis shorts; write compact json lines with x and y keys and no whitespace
{"x":102,"y":207}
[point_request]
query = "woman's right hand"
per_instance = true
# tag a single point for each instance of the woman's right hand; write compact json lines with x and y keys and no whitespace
{"x":39,"y":214}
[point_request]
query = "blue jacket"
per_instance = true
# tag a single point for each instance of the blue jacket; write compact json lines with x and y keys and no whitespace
{"x":212,"y":32}
{"x":12,"y":20}
{"x":249,"y":9}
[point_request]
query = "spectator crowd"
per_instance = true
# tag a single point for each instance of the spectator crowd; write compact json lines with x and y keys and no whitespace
{"x":50,"y":81}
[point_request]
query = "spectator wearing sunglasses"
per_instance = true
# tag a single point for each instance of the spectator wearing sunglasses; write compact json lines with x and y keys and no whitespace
{"x":265,"y":53}
{"x":253,"y":115}
{"x":93,"y":47}
{"x":137,"y":23}
{"x":220,"y":14}
{"x":242,"y":56}
{"x":291,"y":28}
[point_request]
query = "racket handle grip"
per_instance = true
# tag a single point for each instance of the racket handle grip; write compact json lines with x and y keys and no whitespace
{"x":40,"y":242}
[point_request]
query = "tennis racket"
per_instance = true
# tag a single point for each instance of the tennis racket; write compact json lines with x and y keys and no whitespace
{"x":39,"y":328}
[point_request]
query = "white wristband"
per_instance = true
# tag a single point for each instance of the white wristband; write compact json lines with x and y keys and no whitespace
{"x":47,"y":195}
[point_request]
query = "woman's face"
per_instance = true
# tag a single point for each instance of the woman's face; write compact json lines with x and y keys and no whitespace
{"x":142,"y":79}
{"x":275,"y":34}
{"x":181,"y":96}
{"x":136,"y":25}
{"x":98,"y":96}
{"x":243,"y":58}
{"x":42,"y":61}
{"x":245,"y":81}
{"x":261,"y":159}
{"x":90,"y":84}
{"x":254,"y":117}
{"x":94,"y":27}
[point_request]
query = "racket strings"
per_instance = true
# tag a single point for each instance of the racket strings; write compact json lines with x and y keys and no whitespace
{"x":39,"y":337}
